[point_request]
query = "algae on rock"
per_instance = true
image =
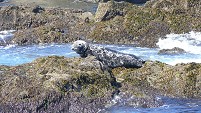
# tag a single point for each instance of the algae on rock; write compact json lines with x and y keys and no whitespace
{"x":182,"y":80}
{"x":47,"y":82}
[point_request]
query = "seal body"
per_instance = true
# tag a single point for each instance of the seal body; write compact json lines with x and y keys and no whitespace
{"x":107,"y":56}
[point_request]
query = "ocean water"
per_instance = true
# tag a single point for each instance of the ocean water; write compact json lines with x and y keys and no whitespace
{"x":190,"y":42}
{"x":171,"y":105}
{"x":13,"y":55}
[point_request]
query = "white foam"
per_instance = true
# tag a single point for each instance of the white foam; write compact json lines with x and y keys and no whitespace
{"x":9,"y":46}
{"x":190,"y":42}
{"x":6,"y":35}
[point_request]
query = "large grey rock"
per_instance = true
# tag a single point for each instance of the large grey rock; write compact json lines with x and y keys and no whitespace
{"x":109,"y":10}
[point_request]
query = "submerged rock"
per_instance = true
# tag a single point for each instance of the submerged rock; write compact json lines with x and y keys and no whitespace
{"x":172,"y":51}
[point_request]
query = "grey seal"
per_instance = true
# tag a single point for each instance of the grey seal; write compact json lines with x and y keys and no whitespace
{"x":108,"y":57}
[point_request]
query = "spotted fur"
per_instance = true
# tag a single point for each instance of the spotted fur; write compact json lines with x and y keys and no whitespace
{"x":107,"y":56}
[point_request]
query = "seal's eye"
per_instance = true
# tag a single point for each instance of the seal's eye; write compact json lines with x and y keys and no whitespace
{"x":79,"y":44}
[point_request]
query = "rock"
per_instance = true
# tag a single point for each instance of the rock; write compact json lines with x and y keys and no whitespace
{"x":109,"y":10}
{"x":114,"y":22}
{"x":172,"y":51}
{"x":55,"y":84}
{"x":87,"y":17}
{"x":28,"y":16}
{"x":38,"y":9}
{"x":182,"y":80}
{"x":131,"y":1}
{"x":59,"y":84}
{"x":1,"y":0}
{"x":169,"y":4}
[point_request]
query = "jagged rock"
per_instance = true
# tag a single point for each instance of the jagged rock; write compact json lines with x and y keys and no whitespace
{"x":174,"y":50}
{"x":182,"y":80}
{"x":55,"y":84}
{"x":109,"y":10}
{"x":114,"y":23}
{"x":59,"y":84}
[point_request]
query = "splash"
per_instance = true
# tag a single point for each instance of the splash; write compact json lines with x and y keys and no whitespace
{"x":190,"y":42}
{"x":5,"y":36}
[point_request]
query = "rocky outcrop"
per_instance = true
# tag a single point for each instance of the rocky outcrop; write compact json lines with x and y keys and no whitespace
{"x":143,"y":26}
{"x":35,"y":24}
{"x":109,"y":10}
{"x":58,"y":84}
{"x":182,"y":80}
{"x":114,"y":22}
{"x":55,"y":84}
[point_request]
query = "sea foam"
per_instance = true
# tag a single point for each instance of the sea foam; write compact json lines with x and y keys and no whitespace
{"x":190,"y":42}
{"x":6,"y":35}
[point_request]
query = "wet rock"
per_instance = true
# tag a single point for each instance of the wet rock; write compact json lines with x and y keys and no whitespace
{"x":59,"y":84}
{"x":56,"y":84}
{"x":181,"y":80}
{"x":172,"y":51}
{"x":113,"y":23}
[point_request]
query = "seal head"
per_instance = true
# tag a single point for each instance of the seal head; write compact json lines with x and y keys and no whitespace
{"x":80,"y":47}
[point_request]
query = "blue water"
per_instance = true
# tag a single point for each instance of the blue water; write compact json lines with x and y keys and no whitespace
{"x":14,"y":55}
{"x":170,"y":105}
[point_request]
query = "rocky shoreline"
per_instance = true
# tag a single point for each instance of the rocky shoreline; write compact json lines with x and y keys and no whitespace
{"x":59,"y":84}
{"x":113,"y":23}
